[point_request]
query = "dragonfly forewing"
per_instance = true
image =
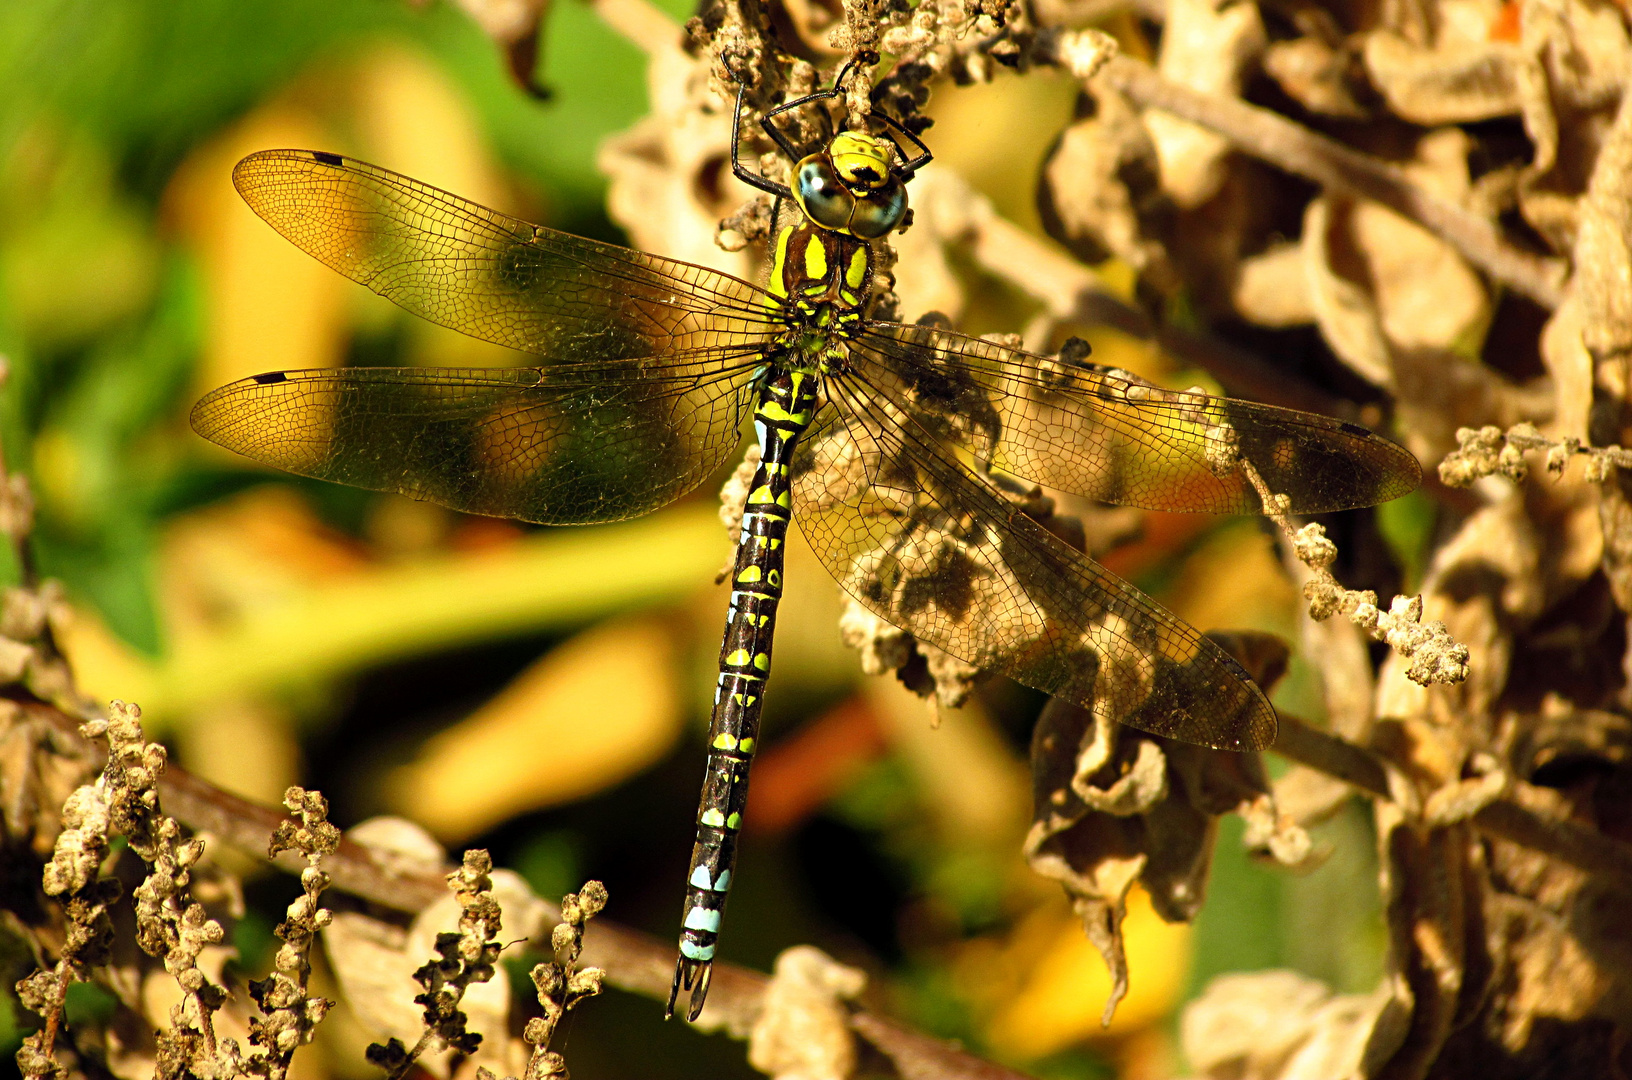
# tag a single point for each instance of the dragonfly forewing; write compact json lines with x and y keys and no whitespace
{"x":492,"y":276}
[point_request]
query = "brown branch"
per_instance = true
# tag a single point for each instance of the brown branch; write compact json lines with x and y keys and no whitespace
{"x":1331,"y":754}
{"x":1530,"y":818}
{"x":1273,"y":138}
{"x":633,"y":961}
{"x":641,"y":964}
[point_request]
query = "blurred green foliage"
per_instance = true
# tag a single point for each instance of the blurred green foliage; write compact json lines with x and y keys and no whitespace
{"x":100,"y":317}
{"x":1326,"y":924}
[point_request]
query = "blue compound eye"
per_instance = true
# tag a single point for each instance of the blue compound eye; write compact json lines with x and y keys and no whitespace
{"x":820,"y":194}
{"x":879,"y":212}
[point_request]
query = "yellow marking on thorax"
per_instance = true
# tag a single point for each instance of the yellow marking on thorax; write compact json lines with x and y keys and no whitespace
{"x":856,"y":272}
{"x":815,"y":259}
{"x":777,"y":285}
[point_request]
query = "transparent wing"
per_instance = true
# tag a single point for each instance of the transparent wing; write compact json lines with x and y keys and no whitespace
{"x":568,"y":444}
{"x":1089,"y":430}
{"x":931,"y":547}
{"x":641,"y":393}
{"x":492,"y":276}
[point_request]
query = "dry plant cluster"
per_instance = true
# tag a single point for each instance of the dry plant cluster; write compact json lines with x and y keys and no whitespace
{"x":1413,"y":214}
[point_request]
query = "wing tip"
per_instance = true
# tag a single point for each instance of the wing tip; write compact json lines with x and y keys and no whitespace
{"x":245,"y":173}
{"x":1262,"y":729}
{"x":1257,"y":726}
{"x":210,"y":421}
{"x":202,"y":417}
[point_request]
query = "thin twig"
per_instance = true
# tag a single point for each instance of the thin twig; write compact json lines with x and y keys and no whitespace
{"x":1331,"y":754}
{"x":1433,"y":655}
{"x":642,"y":964}
{"x":1489,"y":450}
{"x":1273,"y":138}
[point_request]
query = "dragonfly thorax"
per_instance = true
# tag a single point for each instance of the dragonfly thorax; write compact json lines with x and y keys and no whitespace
{"x":823,"y":279}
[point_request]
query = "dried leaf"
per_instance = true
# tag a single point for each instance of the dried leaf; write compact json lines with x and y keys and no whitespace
{"x":1348,"y":318}
{"x":1279,"y":1025}
{"x":1615,"y":522}
{"x":1431,"y":929}
{"x":924,"y":279}
{"x":1272,"y":288}
{"x":1481,"y":580}
{"x":375,"y":961}
{"x":1603,"y":254}
{"x":1209,"y":47}
{"x":1101,"y":191}
{"x":669,"y":176}
{"x":1561,"y":738}
{"x":1583,"y":47}
{"x":1315,"y":75}
{"x":1457,"y":81}
{"x":1113,"y":806}
{"x":1570,"y":365}
{"x":803,"y":1032}
{"x":1426,"y":294}
{"x":1559,"y":949}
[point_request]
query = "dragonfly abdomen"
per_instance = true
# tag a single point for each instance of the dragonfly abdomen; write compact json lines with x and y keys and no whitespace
{"x":787,"y":401}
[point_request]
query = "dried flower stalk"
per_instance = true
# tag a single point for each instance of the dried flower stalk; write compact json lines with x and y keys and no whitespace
{"x":1489,"y":450}
{"x":562,"y":985}
{"x":1434,"y":656}
{"x":463,"y":958}
{"x":289,"y":1015}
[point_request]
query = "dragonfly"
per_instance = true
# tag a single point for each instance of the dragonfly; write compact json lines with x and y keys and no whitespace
{"x":897,"y":448}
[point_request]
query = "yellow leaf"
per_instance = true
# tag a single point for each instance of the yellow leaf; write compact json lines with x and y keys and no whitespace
{"x":592,"y":713}
{"x":1062,"y":982}
{"x":335,"y":625}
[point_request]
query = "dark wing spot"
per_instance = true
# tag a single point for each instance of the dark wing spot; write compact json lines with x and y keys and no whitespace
{"x":326,"y":158}
{"x":1356,"y":430}
{"x":271,"y":377}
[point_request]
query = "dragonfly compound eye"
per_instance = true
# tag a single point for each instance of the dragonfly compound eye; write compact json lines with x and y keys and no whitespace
{"x":879,"y":212}
{"x":821,"y":195}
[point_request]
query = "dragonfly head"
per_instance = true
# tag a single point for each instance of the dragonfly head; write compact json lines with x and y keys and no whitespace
{"x":852,"y":187}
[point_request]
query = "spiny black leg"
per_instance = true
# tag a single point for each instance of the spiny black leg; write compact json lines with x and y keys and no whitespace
{"x":833,"y":91}
{"x":924,"y":156}
{"x":741,"y":171}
